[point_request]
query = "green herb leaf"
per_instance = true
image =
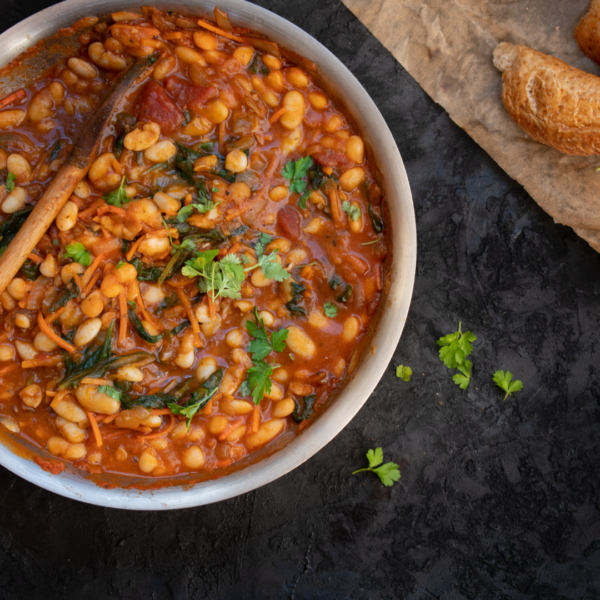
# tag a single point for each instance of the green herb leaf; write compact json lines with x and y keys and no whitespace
{"x":403,"y":372}
{"x":302,"y":200}
{"x":295,"y":172}
{"x":260,"y":347}
{"x":455,"y":347}
{"x":119,"y":196}
{"x":120,"y":264}
{"x":330,"y":310}
{"x":78,"y":253}
{"x":110,"y":391}
{"x":10,"y":182}
{"x":259,"y":378}
{"x":387,"y":473}
{"x":301,"y":414}
{"x":244,"y":390}
{"x":199,"y":398}
{"x":353,"y":211}
{"x":463,"y":380}
{"x":503,"y":379}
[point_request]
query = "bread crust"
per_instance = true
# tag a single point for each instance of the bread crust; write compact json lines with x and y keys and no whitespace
{"x":551,"y":101}
{"x":587,"y":33}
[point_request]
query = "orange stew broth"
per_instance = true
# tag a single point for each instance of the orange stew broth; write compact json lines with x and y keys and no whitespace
{"x":259,"y":111}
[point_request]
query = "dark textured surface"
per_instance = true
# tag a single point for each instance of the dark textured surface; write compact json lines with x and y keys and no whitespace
{"x":497,"y":499}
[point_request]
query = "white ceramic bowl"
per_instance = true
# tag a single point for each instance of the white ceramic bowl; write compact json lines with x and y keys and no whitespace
{"x":287,"y":452}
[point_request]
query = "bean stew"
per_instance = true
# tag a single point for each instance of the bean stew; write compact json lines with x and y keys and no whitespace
{"x":209,"y":283}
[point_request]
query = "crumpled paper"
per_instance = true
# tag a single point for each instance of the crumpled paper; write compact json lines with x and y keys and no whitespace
{"x":447,"y":45}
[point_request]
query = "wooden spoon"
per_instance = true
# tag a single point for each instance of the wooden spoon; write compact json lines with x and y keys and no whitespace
{"x":66,"y":179}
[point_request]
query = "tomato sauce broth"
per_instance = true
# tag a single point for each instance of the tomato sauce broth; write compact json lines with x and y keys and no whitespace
{"x":210,"y":283}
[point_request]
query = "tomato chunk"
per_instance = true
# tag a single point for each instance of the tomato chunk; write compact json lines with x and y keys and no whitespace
{"x":154,"y":104}
{"x":191,"y":96}
{"x":332,"y":159}
{"x":288,"y":220}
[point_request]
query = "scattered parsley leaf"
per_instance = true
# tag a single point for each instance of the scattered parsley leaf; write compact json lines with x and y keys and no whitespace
{"x":330,"y":310}
{"x":223,"y":278}
{"x":261,"y":346}
{"x":110,"y":391}
{"x":263,"y":240}
{"x":463,"y":378}
{"x":295,"y":172}
{"x":503,"y":380}
{"x":403,"y":372}
{"x":120,"y":264}
{"x":10,"y":182}
{"x":303,"y":199}
{"x":119,"y":196}
{"x":353,"y":211}
{"x":455,"y":347}
{"x":78,"y":253}
{"x":278,"y":339}
{"x":387,"y":473}
{"x":259,"y":378}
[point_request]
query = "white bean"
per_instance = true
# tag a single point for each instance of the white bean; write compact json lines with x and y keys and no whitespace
{"x":206,"y":367}
{"x":70,"y":411}
{"x":67,"y":216}
{"x":139,"y":140}
{"x":165,"y":202}
{"x":99,"y":402}
{"x":26,"y":350}
{"x":236,"y":161}
{"x":66,"y":273}
{"x":43,"y":343}
{"x":11,"y":118}
{"x":132,"y":374}
{"x":17,"y":288}
{"x":32,"y":395}
{"x":22,"y":321}
{"x":87,"y":331}
{"x":266,"y":432}
{"x":148,"y":461}
{"x":7,"y":352}
{"x":161,"y":151}
{"x":82,"y":68}
{"x":48,"y":267}
{"x":300,"y":343}
{"x":295,"y":106}
{"x":15,"y":200}
{"x":18,"y":166}
{"x":352,"y":178}
{"x":193,"y":457}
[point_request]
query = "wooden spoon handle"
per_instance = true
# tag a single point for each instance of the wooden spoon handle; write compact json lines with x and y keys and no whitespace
{"x":68,"y":176}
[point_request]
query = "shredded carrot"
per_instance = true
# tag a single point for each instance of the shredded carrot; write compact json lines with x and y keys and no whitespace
{"x":139,"y":302}
{"x":109,"y":208}
{"x":185,"y":302}
{"x":162,"y":433}
{"x":255,"y":419}
{"x":172,"y":35}
{"x":91,"y":209}
{"x":51,"y":393}
{"x":358,"y":265}
{"x":134,"y":247}
{"x":76,"y":200}
{"x":91,"y":269}
{"x":95,"y":428}
{"x":221,"y":136}
{"x":47,"y":361}
{"x":302,"y":426}
{"x":277,"y":114}
{"x":96,"y":381}
{"x":153,"y":43}
{"x":58,"y":398}
{"x":105,"y":232}
{"x":110,"y":418}
{"x":336,"y":209}
{"x":230,"y":428}
{"x":18,"y":95}
{"x":35,"y":258}
{"x":53,"y":316}
{"x":45,"y":328}
{"x":219,"y":31}
{"x":233,"y":249}
{"x":160,"y":411}
{"x":78,"y":281}
{"x":123,"y":318}
{"x":90,"y":286}
{"x":179,"y":281}
{"x":7,"y":369}
{"x":188,"y":200}
{"x":225,"y":462}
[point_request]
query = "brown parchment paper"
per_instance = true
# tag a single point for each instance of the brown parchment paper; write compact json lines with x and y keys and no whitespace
{"x":447,"y":45}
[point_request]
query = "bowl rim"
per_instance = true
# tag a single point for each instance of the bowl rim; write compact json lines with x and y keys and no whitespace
{"x":402,"y":270}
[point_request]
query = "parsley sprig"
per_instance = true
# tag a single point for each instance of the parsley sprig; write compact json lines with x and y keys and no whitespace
{"x":110,"y":391}
{"x":352,"y":211}
{"x":295,"y":172}
{"x":78,"y":253}
{"x":330,"y":310}
{"x":454,"y":349}
{"x":119,"y":196}
{"x":259,"y":374}
{"x":222,"y":278}
{"x":503,"y":379}
{"x":403,"y":372}
{"x":388,"y":473}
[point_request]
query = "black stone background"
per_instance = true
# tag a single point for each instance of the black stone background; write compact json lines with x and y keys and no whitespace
{"x":497,"y":499}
